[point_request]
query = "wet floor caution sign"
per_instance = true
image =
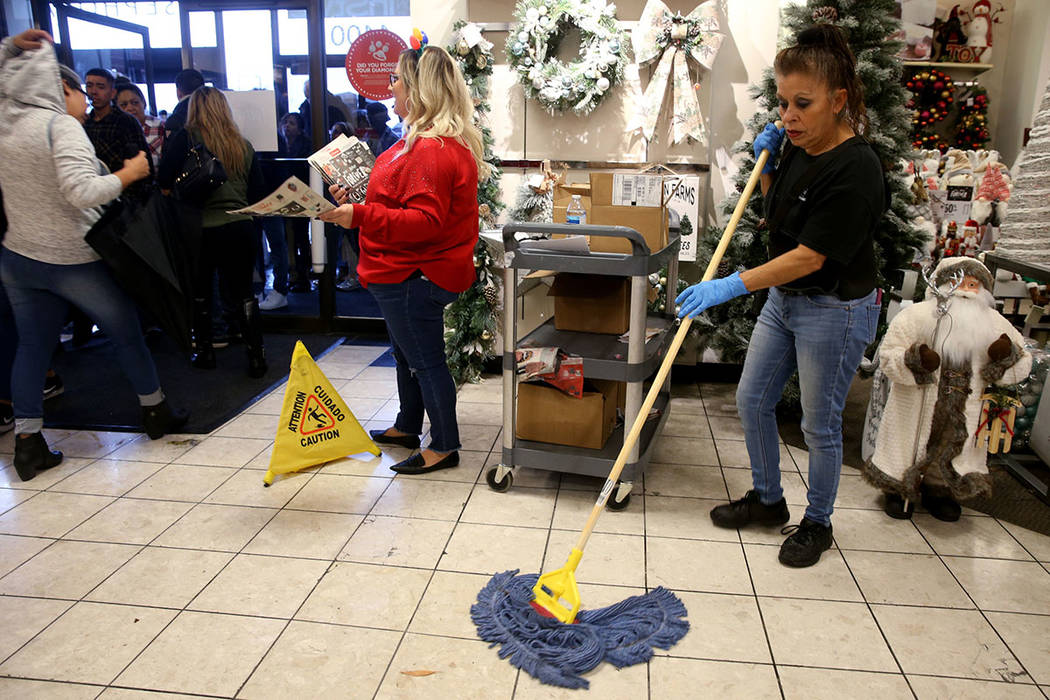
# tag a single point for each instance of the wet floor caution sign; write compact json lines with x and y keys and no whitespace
{"x":316,"y":426}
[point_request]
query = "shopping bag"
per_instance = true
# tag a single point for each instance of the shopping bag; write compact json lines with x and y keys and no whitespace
{"x":316,"y":425}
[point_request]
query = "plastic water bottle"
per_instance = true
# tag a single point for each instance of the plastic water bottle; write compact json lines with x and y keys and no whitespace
{"x":575,"y":213}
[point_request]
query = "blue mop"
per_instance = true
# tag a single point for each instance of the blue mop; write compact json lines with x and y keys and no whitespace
{"x":537,"y":619}
{"x":558,"y":654}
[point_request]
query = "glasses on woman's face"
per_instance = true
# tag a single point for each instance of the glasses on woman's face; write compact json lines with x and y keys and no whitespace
{"x":394,"y":77}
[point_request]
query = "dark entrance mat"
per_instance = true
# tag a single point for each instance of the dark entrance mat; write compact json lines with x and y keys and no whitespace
{"x":99,"y":397}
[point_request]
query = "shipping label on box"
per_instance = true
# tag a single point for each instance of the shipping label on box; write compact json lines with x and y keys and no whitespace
{"x":682,"y":198}
{"x":637,"y":190}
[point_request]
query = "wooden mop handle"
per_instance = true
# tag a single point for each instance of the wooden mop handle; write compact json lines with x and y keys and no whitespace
{"x":672,"y":352}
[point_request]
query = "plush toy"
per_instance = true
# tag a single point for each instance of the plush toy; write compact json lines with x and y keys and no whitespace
{"x":939,"y":356}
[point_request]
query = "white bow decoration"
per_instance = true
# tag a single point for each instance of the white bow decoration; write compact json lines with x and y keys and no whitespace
{"x":672,"y":37}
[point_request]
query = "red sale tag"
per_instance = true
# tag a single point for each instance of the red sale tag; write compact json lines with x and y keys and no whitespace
{"x":370,"y":61}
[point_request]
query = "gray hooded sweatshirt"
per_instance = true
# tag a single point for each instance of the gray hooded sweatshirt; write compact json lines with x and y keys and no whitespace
{"x":49,"y":174}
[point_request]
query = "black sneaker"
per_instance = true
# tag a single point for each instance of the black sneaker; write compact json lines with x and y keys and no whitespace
{"x":807,"y":541}
{"x":53,"y":386}
{"x":749,"y":510}
{"x":7,"y":418}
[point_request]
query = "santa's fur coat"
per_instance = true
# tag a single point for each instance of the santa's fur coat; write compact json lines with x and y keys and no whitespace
{"x":949,"y":398}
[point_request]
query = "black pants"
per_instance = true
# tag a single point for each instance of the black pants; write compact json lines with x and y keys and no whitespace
{"x":229,"y":250}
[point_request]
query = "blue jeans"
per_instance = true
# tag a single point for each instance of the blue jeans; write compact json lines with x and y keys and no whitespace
{"x":8,"y":341}
{"x":823,"y":338}
{"x":40,"y":295}
{"x":414,"y":312}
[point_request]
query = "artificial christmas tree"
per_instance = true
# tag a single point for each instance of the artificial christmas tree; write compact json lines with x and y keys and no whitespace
{"x":471,"y":320}
{"x":1024,"y":234}
{"x":868,"y":24}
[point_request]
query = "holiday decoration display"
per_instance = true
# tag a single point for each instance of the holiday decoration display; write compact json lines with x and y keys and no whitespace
{"x":971,"y":130}
{"x":673,"y":38}
{"x":1028,"y":393}
{"x":535,"y":201}
{"x":472,"y":319}
{"x":1024,"y":234}
{"x":533,"y":43}
{"x":727,"y":327}
{"x":932,"y":95}
{"x":939,"y":355}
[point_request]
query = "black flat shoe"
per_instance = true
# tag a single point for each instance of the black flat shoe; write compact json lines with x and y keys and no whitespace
{"x":415,"y":464}
{"x":409,"y":441}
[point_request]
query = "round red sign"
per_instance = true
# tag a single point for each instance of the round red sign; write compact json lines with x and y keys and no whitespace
{"x":370,"y":61}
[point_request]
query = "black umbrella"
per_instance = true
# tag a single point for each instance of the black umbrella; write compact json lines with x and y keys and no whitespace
{"x":150,"y":249}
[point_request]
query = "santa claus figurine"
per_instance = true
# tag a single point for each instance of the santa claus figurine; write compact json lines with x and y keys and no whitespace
{"x":940,"y":354}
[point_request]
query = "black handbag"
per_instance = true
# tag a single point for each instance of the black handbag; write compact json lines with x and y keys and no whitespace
{"x":202,"y":173}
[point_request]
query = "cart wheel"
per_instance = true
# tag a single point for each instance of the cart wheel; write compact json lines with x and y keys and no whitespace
{"x":499,"y":486}
{"x":613,"y":504}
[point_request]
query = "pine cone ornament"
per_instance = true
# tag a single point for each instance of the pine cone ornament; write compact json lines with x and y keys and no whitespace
{"x":724,"y":270}
{"x":491,"y":295}
{"x":826,"y":14}
{"x":484,"y":210}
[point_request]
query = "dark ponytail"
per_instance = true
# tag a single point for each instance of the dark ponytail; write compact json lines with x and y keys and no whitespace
{"x":822,"y":51}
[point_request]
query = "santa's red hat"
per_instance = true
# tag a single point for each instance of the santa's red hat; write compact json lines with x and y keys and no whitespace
{"x":993,"y":185}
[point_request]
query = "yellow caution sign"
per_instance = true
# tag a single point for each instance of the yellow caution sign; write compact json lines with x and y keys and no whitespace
{"x":316,"y":425}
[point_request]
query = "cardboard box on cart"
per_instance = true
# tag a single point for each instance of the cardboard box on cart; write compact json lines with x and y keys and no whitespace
{"x":546,"y":414}
{"x":591,"y":303}
{"x":608,"y":209}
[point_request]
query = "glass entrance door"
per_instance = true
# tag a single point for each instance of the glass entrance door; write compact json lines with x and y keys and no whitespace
{"x":88,"y":40}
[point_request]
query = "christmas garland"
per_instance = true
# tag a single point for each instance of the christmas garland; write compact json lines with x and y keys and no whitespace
{"x":532,"y":48}
{"x":471,"y":320}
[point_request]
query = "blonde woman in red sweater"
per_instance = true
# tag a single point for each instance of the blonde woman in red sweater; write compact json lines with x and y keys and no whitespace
{"x":419,"y":226}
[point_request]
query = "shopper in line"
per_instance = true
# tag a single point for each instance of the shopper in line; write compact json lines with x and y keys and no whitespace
{"x":418,"y":228}
{"x":822,"y":203}
{"x":131,"y":100}
{"x":295,"y":143}
{"x":52,"y":184}
{"x":115,"y":134}
{"x":186,"y":81}
{"x":227,"y":240}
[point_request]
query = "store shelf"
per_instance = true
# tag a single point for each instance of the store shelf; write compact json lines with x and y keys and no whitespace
{"x":604,"y":355}
{"x":950,"y":65}
{"x":580,"y":460}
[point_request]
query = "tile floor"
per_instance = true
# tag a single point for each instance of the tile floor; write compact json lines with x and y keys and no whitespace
{"x":142,"y":569}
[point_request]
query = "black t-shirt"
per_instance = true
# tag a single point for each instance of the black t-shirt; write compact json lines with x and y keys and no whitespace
{"x":835,"y":215}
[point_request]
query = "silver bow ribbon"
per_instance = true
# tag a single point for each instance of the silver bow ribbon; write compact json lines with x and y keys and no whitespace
{"x":672,"y":37}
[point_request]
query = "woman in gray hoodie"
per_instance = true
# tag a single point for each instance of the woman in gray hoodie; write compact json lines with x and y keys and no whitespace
{"x":53,"y":184}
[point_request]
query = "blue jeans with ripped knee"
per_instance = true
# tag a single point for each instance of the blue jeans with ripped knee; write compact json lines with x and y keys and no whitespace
{"x":414,"y":311}
{"x":823,"y":337}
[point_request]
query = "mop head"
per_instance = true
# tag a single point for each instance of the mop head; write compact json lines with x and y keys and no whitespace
{"x":558,"y":654}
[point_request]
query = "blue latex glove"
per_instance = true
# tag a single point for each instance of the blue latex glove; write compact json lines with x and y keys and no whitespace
{"x":704,"y":295}
{"x":768,"y":140}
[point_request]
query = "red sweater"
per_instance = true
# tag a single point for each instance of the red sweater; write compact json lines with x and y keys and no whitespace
{"x":420,"y":213}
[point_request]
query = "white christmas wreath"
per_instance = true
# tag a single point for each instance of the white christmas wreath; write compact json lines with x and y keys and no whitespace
{"x":533,"y":45}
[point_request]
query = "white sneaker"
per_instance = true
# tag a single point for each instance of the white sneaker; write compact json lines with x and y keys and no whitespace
{"x":274,"y":300}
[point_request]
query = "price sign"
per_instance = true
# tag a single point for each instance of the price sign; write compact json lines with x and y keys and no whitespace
{"x":951,"y":205}
{"x":370,"y":61}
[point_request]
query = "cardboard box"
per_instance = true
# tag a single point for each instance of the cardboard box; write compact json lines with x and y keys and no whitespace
{"x":591,"y":303}
{"x":651,"y":222}
{"x":547,"y":415}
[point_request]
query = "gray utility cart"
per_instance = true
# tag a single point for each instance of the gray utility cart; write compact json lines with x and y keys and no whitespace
{"x":603,"y":354}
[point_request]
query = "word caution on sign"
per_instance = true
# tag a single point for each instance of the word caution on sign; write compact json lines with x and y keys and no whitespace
{"x":316,"y":426}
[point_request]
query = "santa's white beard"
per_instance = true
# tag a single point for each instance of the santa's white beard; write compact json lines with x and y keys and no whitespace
{"x":968,"y":328}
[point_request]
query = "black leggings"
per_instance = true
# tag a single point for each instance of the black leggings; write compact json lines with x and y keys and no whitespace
{"x":230,"y":250}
